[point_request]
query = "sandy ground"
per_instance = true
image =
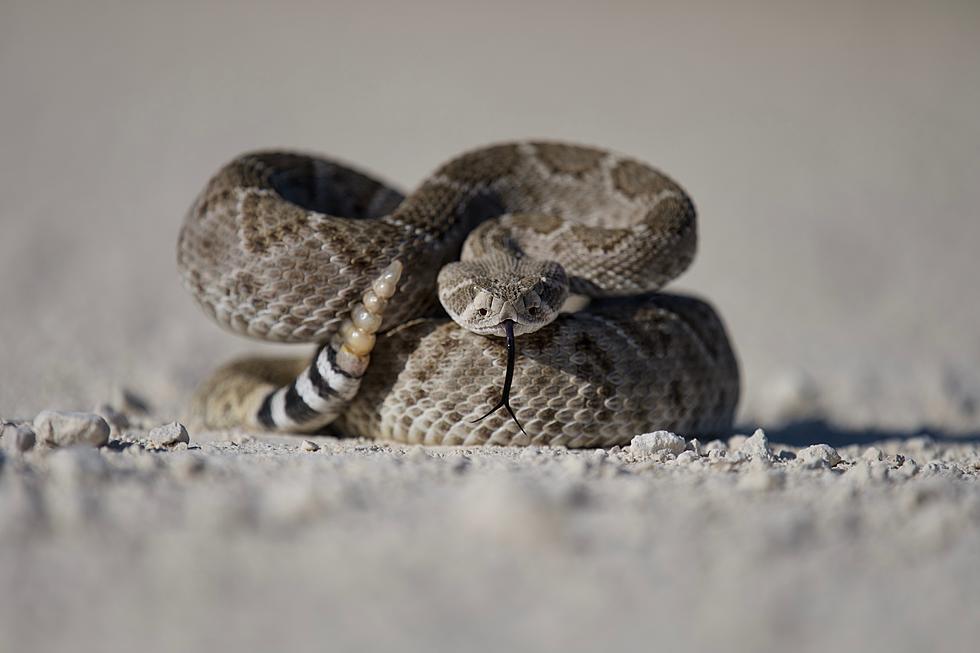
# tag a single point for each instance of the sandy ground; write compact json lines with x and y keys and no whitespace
{"x":832,"y":150}
{"x":238,"y":544}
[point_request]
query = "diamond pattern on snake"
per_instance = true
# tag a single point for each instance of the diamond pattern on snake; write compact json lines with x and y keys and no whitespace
{"x":513,"y":298}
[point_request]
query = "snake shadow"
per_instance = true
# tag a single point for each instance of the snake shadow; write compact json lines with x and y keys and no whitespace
{"x":805,"y":432}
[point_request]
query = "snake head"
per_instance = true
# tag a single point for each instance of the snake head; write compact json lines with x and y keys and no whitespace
{"x":482,"y":294}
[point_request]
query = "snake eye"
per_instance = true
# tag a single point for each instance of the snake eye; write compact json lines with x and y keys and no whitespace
{"x":482,"y":312}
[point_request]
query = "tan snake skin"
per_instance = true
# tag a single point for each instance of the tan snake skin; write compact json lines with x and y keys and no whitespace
{"x":284,"y":247}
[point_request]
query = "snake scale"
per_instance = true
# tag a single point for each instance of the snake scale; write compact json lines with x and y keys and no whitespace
{"x":519,"y":283}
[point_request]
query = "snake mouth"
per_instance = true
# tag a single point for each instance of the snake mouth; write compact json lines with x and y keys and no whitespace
{"x":508,"y":377}
{"x":499,"y":329}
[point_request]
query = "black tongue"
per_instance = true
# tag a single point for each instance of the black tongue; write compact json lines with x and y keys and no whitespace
{"x":508,"y":377}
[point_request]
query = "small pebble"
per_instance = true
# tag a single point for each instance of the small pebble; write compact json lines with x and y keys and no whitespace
{"x":310,"y":445}
{"x":686,"y":457}
{"x":63,"y":429}
{"x":819,"y":455}
{"x":169,"y":435}
{"x":650,"y":443}
{"x":757,"y":447}
{"x":873,"y":454}
{"x":695,"y":445}
{"x":16,"y":437}
{"x":717,"y":454}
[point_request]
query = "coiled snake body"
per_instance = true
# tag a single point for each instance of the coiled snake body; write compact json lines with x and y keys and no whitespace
{"x":294,"y":248}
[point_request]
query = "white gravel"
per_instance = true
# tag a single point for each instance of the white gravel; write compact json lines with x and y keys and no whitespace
{"x":169,"y":435}
{"x":656,"y":442}
{"x":257,"y":544}
{"x":819,"y":455}
{"x":58,"y":428}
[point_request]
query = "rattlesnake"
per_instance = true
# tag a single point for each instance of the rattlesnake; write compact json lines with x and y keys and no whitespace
{"x":294,"y":248}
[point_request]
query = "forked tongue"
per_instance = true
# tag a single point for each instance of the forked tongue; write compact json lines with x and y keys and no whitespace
{"x":508,"y":377}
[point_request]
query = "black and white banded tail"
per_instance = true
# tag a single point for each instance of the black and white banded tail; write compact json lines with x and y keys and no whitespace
{"x":319,"y":394}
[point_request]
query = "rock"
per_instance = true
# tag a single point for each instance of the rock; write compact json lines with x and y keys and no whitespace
{"x":686,"y":457}
{"x":169,"y":435}
{"x":16,"y":438}
{"x":873,"y":454}
{"x":819,"y":455}
{"x":695,"y":446}
{"x":310,"y":445}
{"x":715,"y":455}
{"x":63,"y":429}
{"x":757,"y":447}
{"x":650,"y":443}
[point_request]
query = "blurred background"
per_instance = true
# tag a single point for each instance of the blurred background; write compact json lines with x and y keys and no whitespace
{"x":832,"y":148}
